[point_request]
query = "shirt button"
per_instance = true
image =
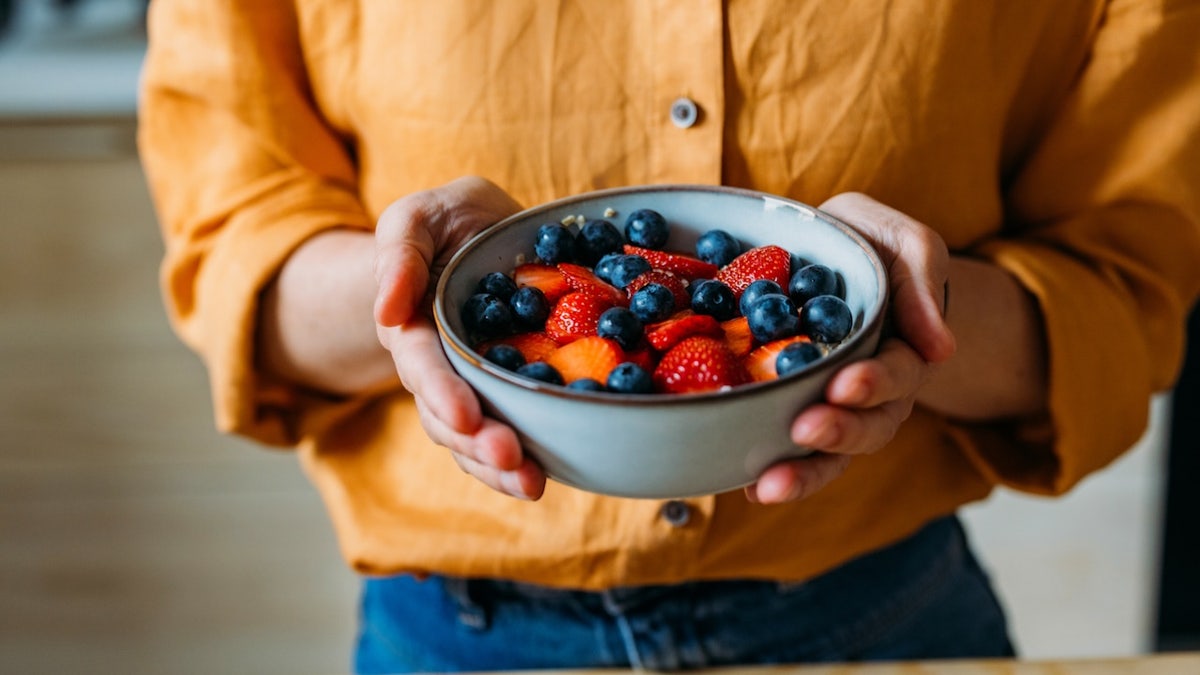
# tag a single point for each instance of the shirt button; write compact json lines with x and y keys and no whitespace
{"x":684,"y":113}
{"x":676,"y":513}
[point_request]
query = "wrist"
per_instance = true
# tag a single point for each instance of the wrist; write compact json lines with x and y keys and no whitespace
{"x":316,"y":327}
{"x":999,"y":369}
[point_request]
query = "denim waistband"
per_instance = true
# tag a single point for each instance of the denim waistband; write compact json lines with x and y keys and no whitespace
{"x":906,"y":568}
{"x":923,"y":597}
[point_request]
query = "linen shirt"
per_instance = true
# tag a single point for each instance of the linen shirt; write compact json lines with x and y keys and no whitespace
{"x":1058,"y":140}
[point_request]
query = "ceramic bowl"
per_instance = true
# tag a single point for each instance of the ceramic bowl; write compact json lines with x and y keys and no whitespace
{"x":661,"y":445}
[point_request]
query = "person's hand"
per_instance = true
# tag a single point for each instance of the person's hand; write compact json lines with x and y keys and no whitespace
{"x":866,"y":401}
{"x":415,"y":237}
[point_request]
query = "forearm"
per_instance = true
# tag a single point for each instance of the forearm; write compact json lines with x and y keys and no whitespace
{"x":316,"y":327}
{"x":999,"y":369}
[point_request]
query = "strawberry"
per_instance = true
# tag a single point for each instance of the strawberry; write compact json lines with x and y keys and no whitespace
{"x":545,"y":277}
{"x":687,"y":266}
{"x":763,"y":262}
{"x":584,"y":280}
{"x":666,"y":334}
{"x":533,"y":346}
{"x":669,"y":280}
{"x":643,"y":355}
{"x":738,"y":337}
{"x":698,"y":364}
{"x":590,"y":357}
{"x":760,"y":363}
{"x":575,"y":315}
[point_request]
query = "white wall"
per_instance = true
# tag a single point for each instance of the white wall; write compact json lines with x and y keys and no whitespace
{"x":1079,"y":574}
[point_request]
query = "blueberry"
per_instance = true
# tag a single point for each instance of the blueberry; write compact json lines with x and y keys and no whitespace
{"x":646,"y":228}
{"x":715,"y":299}
{"x":627,"y":268}
{"x":717,"y":247}
{"x":530,"y":307}
{"x":773,"y":317}
{"x":487,"y":316}
{"x":541,"y":371}
{"x":554,"y":244}
{"x":505,"y":356}
{"x":604,"y":267}
{"x":826,"y":318}
{"x":652,"y":302}
{"x":630,"y":378}
{"x":795,"y":356}
{"x":596,"y":239}
{"x":810,"y":281}
{"x":754,"y":291}
{"x":619,"y":324}
{"x":586,"y":384}
{"x":498,"y":284}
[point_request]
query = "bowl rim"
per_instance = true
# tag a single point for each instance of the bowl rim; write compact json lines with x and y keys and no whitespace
{"x":832,"y":360}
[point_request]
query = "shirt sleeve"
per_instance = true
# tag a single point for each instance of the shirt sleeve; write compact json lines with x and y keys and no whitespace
{"x":242,"y":169}
{"x":1104,"y":231}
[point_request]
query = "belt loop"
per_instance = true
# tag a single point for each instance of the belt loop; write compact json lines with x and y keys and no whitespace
{"x":465,"y":594}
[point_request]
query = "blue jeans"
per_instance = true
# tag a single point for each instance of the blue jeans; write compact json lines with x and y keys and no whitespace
{"x":923,"y":598}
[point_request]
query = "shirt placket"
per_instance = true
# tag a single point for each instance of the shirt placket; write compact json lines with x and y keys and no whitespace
{"x":684,"y":116}
{"x":686,"y":112}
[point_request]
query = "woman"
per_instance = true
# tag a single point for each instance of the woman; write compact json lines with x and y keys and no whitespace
{"x":313,"y":161}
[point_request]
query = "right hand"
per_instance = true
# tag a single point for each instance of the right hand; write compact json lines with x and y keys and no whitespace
{"x":414,"y":238}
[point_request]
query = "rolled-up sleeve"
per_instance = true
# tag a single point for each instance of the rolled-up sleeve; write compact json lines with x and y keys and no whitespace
{"x":1104,"y":231}
{"x":242,"y":168}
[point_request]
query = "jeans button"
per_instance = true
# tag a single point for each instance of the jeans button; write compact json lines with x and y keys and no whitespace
{"x":676,"y":513}
{"x":684,"y":112}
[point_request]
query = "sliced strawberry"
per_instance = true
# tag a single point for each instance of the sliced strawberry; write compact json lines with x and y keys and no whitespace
{"x":666,"y":334}
{"x":583,"y":279}
{"x":763,"y":262}
{"x":643,"y":355}
{"x":687,"y":266}
{"x":669,"y":280}
{"x":698,"y":364}
{"x":738,"y":337}
{"x":575,"y":316}
{"x":590,"y":357}
{"x":760,"y":363}
{"x":545,"y":277}
{"x":533,"y":346}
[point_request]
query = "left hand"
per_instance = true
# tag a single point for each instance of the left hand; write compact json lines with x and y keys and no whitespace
{"x":866,"y":401}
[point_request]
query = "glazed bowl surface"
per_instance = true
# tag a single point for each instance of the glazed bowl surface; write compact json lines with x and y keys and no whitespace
{"x":664,"y":445}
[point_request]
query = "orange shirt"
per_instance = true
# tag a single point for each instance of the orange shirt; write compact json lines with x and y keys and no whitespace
{"x":1059,"y":140}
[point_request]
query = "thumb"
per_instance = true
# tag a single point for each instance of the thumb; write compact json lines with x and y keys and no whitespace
{"x":404,"y":252}
{"x":917,"y":262}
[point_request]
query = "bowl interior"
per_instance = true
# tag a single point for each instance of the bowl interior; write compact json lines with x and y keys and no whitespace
{"x":752,"y":217}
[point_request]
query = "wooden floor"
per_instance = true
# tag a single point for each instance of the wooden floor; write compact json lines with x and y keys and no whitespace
{"x":133,"y":538}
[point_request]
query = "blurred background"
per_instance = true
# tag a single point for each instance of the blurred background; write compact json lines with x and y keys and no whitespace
{"x":135,"y":539}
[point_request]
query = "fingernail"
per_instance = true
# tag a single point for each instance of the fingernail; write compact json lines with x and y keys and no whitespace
{"x":511,"y":483}
{"x":804,"y":433}
{"x":822,"y":436}
{"x":769,"y":491}
{"x":786,"y":491}
{"x":854,"y":393}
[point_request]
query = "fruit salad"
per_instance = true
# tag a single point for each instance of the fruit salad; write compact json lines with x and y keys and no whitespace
{"x":606,"y":309}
